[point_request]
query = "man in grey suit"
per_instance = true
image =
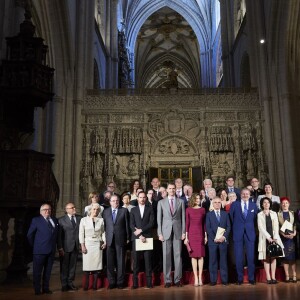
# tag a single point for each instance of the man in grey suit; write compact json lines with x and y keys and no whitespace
{"x":68,"y":246}
{"x":171,"y":232}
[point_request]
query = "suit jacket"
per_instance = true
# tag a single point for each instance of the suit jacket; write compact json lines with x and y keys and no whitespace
{"x":206,"y":204}
{"x":42,"y":238}
{"x":145,"y":223}
{"x":212,"y":225}
{"x":157,"y":196}
{"x":166,"y":222}
{"x":237,"y":191}
{"x":68,"y":237}
{"x":120,"y":230}
{"x":240,"y":225}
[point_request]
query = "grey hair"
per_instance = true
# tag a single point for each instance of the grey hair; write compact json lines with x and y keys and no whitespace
{"x":89,"y":211}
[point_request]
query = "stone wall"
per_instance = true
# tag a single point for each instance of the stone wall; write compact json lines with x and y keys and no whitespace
{"x":126,"y":132}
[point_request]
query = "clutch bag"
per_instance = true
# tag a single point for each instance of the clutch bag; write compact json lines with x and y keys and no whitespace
{"x":188,"y":247}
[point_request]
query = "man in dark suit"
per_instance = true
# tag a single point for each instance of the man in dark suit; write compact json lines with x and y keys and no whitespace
{"x":141,"y":224}
{"x":155,"y":187}
{"x":256,"y":190}
{"x":111,"y":188}
{"x":215,"y":219}
{"x":231,"y":188}
{"x":116,"y":222}
{"x":243,"y":216}
{"x":68,"y":246}
{"x":42,"y":236}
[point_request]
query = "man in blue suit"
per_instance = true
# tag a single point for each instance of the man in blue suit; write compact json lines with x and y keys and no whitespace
{"x":231,"y":188}
{"x":243,"y":215}
{"x":215,"y":219}
{"x":42,"y":236}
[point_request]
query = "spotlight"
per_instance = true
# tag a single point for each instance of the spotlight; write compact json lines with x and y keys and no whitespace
{"x":262,"y":41}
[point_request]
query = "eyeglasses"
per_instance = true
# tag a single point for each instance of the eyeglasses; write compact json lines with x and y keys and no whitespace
{"x":112,"y":186}
{"x":46,"y":209}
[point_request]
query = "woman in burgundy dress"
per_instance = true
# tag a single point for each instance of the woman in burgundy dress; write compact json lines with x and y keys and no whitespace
{"x":196,"y":237}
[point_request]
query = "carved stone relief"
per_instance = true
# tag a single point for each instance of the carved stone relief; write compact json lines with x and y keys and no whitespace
{"x":222,"y":132}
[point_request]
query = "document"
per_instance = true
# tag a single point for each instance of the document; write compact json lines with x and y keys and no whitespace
{"x":287,"y":226}
{"x":140,"y":246}
{"x":220,"y":233}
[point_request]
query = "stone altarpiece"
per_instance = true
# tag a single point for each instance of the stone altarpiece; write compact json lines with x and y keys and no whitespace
{"x":127,"y":132}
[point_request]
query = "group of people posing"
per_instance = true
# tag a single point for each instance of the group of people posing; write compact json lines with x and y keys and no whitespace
{"x":164,"y":225}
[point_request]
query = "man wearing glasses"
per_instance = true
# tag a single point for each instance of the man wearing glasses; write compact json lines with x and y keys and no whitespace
{"x":42,"y":236}
{"x":217,"y":221}
{"x":111,"y":188}
{"x":68,"y":246}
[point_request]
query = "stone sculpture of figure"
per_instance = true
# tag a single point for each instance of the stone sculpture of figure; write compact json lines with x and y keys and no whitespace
{"x":97,"y":166}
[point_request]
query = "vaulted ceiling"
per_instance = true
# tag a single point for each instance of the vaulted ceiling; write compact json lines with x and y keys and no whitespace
{"x":167,"y":52}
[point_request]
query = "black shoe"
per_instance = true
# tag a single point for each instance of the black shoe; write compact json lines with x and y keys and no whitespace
{"x":37,"y":293}
{"x":239,"y":283}
{"x":72,"y":287}
{"x":274,"y":281}
{"x":64,"y":289}
{"x":47,"y":292}
{"x":178,"y":284}
{"x":213,"y":283}
{"x":269,"y":282}
{"x":168,"y":285}
{"x":121,"y":286}
{"x":252,"y":282}
{"x":225,"y":283}
{"x":111,"y":287}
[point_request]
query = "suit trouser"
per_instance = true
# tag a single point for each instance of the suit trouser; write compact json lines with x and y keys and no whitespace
{"x":239,"y":257}
{"x":136,"y":264}
{"x":68,"y":267}
{"x":167,"y":259}
{"x":42,"y":263}
{"x":213,"y":262}
{"x":115,"y":255}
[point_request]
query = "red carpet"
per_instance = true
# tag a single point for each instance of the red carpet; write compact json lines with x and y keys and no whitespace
{"x":187,"y":278}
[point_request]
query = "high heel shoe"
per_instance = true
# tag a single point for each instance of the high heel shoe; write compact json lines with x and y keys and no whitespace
{"x":294,"y":279}
{"x":287,"y":279}
{"x":269,"y":281}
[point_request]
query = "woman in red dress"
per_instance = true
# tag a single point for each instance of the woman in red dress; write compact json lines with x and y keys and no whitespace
{"x":196,"y":237}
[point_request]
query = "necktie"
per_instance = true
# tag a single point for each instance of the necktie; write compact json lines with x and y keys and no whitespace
{"x":178,"y":194}
{"x":171,"y":206}
{"x":73,"y":221}
{"x":114,"y":216}
{"x":218,"y":216}
{"x":245,"y":210}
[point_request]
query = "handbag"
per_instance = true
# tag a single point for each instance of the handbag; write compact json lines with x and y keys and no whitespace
{"x":274,"y":250}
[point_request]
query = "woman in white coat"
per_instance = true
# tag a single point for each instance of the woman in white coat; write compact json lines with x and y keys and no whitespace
{"x":268,"y":227}
{"x":92,"y":240}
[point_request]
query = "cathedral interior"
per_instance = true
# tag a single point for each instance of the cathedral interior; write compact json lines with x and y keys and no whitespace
{"x":116,"y":90}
